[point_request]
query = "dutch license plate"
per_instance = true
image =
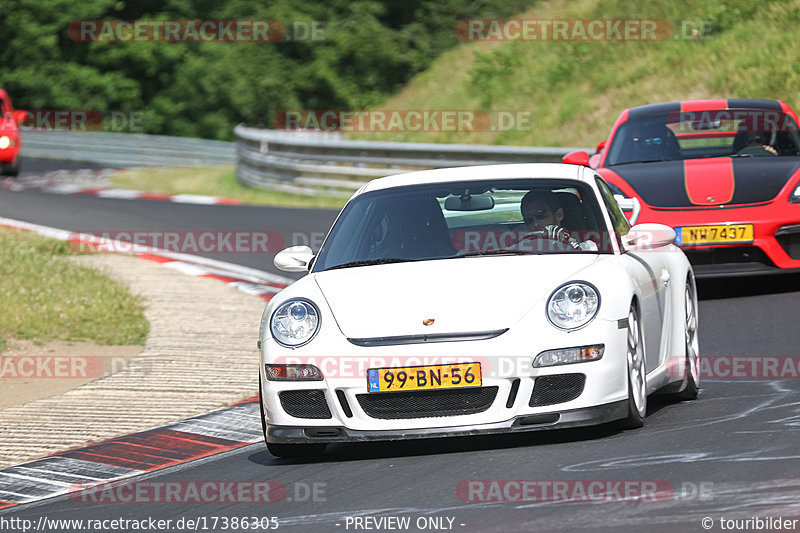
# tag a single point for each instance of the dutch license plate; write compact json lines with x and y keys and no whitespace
{"x":424,"y":377}
{"x":721,"y":234}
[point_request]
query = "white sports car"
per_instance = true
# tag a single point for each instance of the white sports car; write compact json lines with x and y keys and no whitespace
{"x":476,"y":300}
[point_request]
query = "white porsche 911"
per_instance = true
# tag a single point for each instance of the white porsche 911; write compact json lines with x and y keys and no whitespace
{"x":476,"y":300}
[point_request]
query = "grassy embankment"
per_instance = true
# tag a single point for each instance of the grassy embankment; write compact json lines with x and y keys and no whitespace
{"x":576,"y":90}
{"x":45,"y":296}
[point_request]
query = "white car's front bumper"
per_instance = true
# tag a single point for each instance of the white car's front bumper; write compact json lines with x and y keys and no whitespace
{"x":507,"y":401}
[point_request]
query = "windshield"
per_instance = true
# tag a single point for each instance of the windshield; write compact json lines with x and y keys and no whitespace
{"x":460,"y":219}
{"x":704,"y":134}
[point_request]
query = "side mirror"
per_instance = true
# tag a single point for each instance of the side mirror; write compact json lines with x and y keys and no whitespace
{"x":629,"y":205}
{"x":19,"y":116}
{"x":294,"y":259}
{"x":578,"y":157}
{"x":648,"y":236}
{"x":600,"y":146}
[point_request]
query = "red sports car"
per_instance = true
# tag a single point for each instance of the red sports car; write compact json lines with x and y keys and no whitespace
{"x":10,"y":140}
{"x":723,"y":173}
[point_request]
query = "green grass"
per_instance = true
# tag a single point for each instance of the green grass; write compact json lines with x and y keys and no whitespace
{"x":46,"y":296}
{"x":575,"y":90}
{"x":216,"y":181}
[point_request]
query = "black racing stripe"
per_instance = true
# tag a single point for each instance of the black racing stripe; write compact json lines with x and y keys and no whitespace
{"x":659,"y":184}
{"x":759,"y":179}
{"x":753,"y":103}
{"x":644,"y":111}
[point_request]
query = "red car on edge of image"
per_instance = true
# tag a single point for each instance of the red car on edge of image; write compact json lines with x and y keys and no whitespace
{"x":10,"y":139}
{"x":723,"y":173}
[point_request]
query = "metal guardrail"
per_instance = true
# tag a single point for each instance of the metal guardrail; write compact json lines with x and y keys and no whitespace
{"x":127,"y":150}
{"x":298,"y":162}
{"x":292,"y":161}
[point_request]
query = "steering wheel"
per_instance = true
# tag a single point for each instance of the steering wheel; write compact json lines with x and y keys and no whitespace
{"x":759,"y":151}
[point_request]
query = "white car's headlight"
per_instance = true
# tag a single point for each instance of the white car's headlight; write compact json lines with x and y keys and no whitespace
{"x":294,"y":322}
{"x":573,"y":305}
{"x":5,"y":142}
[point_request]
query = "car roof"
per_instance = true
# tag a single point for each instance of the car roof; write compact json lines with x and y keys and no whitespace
{"x":481,"y":172}
{"x":644,"y":111}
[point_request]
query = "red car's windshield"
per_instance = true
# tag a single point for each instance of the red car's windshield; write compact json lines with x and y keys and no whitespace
{"x":703,"y":134}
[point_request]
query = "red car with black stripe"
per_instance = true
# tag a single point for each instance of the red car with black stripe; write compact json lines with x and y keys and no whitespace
{"x":724,"y":173}
{"x":10,"y":139}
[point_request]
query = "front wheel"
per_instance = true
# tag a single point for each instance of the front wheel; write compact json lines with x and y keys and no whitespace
{"x":637,"y":380}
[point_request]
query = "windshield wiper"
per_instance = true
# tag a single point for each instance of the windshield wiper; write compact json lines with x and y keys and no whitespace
{"x":643,"y":161}
{"x":495,"y":252}
{"x":368,"y":262}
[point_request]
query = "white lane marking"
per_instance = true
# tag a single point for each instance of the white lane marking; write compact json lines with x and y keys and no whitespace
{"x":238,"y":423}
{"x":126,"y":194}
{"x":65,"y":188}
{"x":186,"y":268}
{"x":79,"y":467}
{"x":252,"y":288}
{"x":195,"y":199}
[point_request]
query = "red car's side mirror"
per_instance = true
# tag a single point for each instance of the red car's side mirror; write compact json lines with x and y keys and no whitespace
{"x":19,"y":116}
{"x":600,"y":146}
{"x":578,"y":157}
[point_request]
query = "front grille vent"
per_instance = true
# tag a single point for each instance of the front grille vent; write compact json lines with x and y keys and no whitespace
{"x":559,"y":388}
{"x":305,"y":403}
{"x":426,"y":404}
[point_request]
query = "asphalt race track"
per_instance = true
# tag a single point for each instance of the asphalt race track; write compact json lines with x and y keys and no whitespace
{"x":733,"y":453}
{"x":85,"y":214}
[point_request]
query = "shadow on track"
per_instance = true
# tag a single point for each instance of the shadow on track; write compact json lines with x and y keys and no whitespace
{"x":719,"y":288}
{"x":358,"y":451}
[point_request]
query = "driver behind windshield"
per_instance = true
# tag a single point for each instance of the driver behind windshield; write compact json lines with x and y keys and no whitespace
{"x":753,"y":143}
{"x":542,"y":212}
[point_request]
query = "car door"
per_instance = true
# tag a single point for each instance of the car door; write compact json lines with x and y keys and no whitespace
{"x":649,"y":270}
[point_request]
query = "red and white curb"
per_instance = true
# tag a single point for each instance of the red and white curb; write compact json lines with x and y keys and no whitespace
{"x":63,"y":182}
{"x":248,"y":280}
{"x":131,"y":455}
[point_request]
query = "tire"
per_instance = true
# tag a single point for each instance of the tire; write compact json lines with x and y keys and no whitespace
{"x":261,"y":409}
{"x":637,"y":374}
{"x":692,"y":362}
{"x":10,"y":170}
{"x":288,"y":451}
